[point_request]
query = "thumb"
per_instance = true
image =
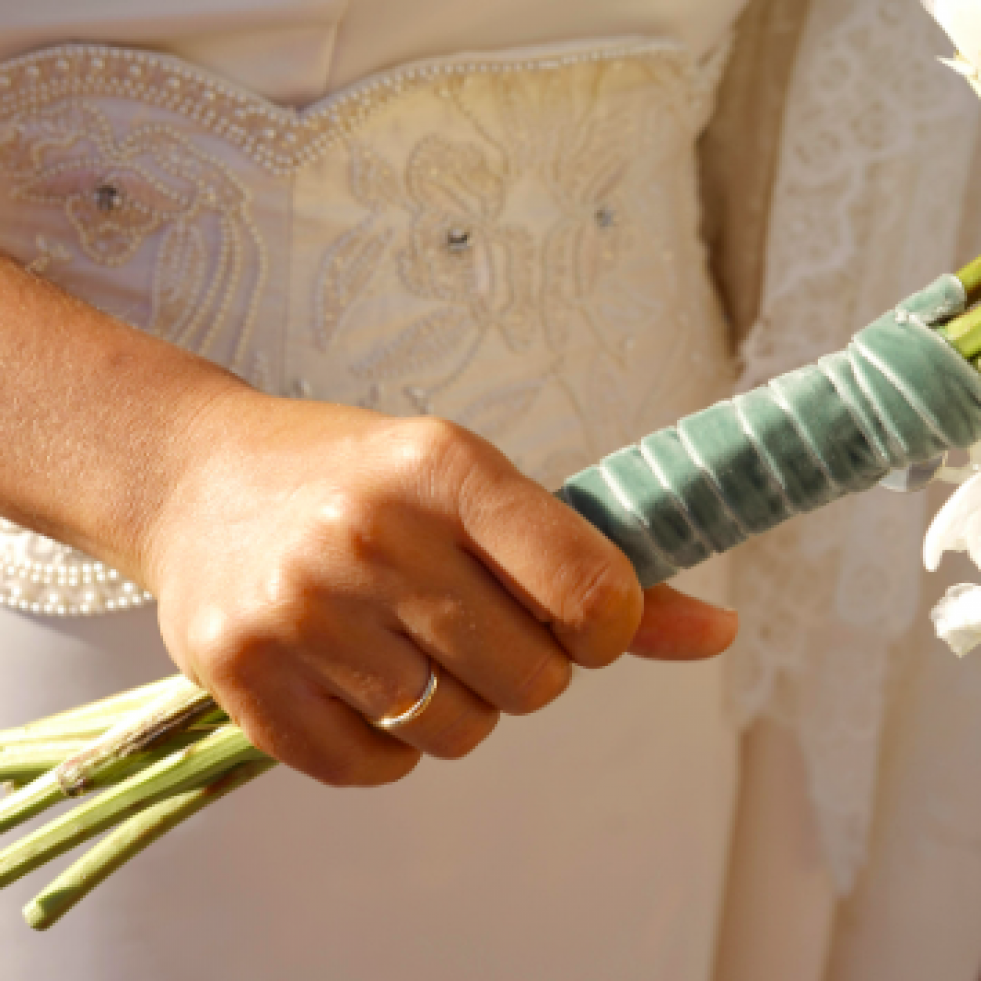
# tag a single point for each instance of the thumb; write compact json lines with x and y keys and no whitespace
{"x":678,"y":627}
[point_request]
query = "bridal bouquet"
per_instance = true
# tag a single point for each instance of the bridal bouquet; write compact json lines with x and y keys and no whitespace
{"x":907,"y":389}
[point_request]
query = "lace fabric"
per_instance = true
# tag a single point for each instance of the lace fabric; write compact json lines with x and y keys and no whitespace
{"x":864,"y":211}
{"x":488,"y":240}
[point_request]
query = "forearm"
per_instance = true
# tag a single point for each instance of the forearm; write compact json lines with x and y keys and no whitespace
{"x":96,"y":419}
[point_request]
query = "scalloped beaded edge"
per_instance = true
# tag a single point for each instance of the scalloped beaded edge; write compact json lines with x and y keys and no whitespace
{"x":280,"y":139}
{"x":34,"y":587}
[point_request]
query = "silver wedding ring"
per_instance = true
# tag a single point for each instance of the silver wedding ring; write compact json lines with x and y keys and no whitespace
{"x":389,"y":722}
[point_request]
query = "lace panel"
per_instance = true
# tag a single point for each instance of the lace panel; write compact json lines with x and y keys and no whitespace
{"x":865,"y":210}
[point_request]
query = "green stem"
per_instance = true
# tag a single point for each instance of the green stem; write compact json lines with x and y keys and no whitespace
{"x":98,"y":715}
{"x":128,"y":840}
{"x":180,"y":705}
{"x":46,"y":789}
{"x":964,"y":333}
{"x":188,"y":768}
{"x":23,"y":804}
{"x":29,"y":760}
{"x":970,"y":277}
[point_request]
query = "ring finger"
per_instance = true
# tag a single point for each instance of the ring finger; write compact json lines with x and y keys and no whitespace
{"x":381,"y":674}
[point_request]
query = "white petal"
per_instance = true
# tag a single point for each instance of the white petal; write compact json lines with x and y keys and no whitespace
{"x":957,"y":526}
{"x":961,"y":19}
{"x":957,"y":618}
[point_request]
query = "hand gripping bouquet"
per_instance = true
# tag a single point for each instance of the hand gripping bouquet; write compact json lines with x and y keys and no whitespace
{"x":887,"y":408}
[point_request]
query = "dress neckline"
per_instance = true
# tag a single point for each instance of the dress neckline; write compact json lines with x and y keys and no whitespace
{"x":280,"y":138}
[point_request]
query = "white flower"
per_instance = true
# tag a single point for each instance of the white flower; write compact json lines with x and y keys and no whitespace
{"x":961,"y":19}
{"x":957,"y":528}
{"x":957,"y":618}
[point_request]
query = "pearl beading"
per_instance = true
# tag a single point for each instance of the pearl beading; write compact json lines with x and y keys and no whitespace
{"x":280,"y":139}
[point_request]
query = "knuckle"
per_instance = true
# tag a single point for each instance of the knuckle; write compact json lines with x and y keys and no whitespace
{"x":604,"y":604}
{"x":546,"y":680}
{"x":440,"y":454}
{"x":464,"y":734}
{"x":432,"y":438}
{"x":348,"y":541}
{"x":233,"y":648}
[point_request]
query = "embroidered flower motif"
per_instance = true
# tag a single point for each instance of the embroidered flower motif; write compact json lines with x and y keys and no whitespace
{"x":458,"y":250}
{"x":117,"y":193}
{"x":113,"y":208}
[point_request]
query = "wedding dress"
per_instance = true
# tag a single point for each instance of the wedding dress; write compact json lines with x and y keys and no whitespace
{"x":511,"y":238}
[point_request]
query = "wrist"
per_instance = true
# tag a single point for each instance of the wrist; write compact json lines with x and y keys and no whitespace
{"x":204,"y":429}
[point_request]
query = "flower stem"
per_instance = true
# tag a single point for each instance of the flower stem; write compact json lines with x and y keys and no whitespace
{"x":188,"y":768}
{"x":128,"y":840}
{"x":27,"y":761}
{"x":99,"y":715}
{"x":970,"y":277}
{"x":181,"y":704}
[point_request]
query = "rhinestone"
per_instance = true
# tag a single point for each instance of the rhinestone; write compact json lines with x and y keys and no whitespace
{"x":4,"y":82}
{"x":97,"y":64}
{"x":108,"y":197}
{"x":62,"y":64}
{"x":605,"y":216}
{"x":458,"y":240}
{"x":33,"y":71}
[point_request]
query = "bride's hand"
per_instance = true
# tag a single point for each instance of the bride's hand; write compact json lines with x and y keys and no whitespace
{"x":313,"y":559}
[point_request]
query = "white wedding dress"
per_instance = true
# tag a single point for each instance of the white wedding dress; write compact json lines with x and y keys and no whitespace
{"x":509,"y":239}
{"x":493,"y":214}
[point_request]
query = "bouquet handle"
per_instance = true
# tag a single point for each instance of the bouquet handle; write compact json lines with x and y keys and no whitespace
{"x":899,"y":394}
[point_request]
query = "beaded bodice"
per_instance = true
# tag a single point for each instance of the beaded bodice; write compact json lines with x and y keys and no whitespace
{"x":509,"y":241}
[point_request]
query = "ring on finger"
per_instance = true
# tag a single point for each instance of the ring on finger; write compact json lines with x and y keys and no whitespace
{"x":390,"y":722}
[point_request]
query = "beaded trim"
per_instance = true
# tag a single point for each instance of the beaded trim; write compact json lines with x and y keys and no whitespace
{"x":280,"y":139}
